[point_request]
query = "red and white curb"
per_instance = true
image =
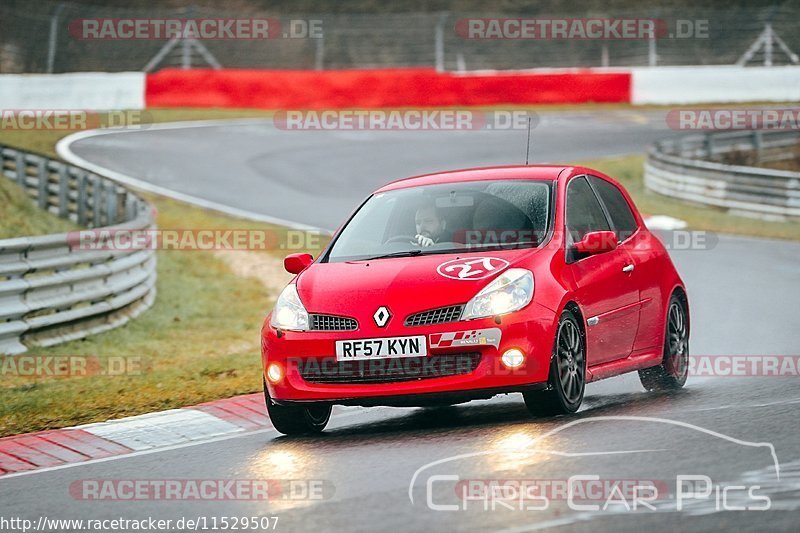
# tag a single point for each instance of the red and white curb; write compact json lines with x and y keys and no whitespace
{"x":133,"y":435}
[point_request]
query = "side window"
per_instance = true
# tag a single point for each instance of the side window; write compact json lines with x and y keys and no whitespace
{"x":584,"y":213}
{"x":618,"y":209}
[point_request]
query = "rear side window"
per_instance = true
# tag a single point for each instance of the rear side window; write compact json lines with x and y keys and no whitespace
{"x":584,"y":213}
{"x":618,"y":209}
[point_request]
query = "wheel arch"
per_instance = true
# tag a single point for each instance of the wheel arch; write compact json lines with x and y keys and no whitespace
{"x":573,"y":307}
{"x":680,"y":292}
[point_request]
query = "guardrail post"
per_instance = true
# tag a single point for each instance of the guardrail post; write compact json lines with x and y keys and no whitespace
{"x":758,"y":143}
{"x":709,"y":142}
{"x":63,"y":191}
{"x":652,"y":56}
{"x":130,"y":206}
{"x":80,"y":211}
{"x":679,"y":146}
{"x":111,"y":204}
{"x":97,"y":195}
{"x":319,"y":54}
{"x":438,"y":51}
{"x":44,"y":180}
{"x":21,"y":168}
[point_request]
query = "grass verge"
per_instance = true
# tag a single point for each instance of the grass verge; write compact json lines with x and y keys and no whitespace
{"x":19,"y":214}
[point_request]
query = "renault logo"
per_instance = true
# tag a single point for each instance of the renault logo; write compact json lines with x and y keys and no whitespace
{"x":381,"y":316}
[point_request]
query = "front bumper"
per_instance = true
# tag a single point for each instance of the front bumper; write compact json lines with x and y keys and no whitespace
{"x":531,"y":330}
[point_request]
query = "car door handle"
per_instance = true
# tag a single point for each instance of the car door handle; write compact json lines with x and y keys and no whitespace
{"x":627,"y":268}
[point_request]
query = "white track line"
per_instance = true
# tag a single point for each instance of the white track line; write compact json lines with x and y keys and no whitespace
{"x":64,"y":150}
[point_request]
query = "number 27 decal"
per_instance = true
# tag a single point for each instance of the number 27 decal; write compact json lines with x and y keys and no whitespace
{"x":473,"y":268}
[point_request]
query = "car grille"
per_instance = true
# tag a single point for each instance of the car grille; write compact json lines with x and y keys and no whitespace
{"x":329,"y":370}
{"x":332,"y":323}
{"x":435,"y":316}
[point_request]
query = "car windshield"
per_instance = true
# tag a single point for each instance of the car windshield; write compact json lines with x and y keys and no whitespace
{"x":447,"y":217}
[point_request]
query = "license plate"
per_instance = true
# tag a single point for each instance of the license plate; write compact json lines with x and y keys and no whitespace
{"x":387,"y":347}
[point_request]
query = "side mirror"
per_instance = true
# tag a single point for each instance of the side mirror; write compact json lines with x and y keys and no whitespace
{"x":597,"y":242}
{"x":296,"y":263}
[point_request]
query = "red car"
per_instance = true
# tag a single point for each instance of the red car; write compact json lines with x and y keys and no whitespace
{"x":462,"y":285}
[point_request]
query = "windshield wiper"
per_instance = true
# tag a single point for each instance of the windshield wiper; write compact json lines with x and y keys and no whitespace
{"x":505,"y":245}
{"x":404,"y":253}
{"x":414,"y":253}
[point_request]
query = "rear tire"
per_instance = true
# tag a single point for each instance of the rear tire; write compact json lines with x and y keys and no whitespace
{"x":297,"y":420}
{"x":674,"y":368}
{"x":567,"y":378}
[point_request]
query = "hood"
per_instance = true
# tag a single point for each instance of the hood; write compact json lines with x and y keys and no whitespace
{"x":405,"y":285}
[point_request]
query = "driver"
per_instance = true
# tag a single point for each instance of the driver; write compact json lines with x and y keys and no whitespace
{"x":430,"y":225}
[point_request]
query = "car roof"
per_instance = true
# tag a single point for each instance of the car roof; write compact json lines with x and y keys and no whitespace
{"x":515,"y":172}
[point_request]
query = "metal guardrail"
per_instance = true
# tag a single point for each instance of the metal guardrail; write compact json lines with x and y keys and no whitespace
{"x":697,"y":168}
{"x":52,"y":291}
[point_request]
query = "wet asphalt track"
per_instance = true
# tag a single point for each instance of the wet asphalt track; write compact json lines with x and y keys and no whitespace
{"x":742,"y":292}
{"x":318,"y":177}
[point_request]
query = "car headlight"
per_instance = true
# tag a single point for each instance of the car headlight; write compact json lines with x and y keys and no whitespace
{"x":289,"y":312}
{"x":510,"y":291}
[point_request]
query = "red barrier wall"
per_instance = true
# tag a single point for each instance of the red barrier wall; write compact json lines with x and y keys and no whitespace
{"x":289,"y":89}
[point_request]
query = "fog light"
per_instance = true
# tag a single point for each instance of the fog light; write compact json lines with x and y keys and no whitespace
{"x":274,"y":373}
{"x":513,"y":358}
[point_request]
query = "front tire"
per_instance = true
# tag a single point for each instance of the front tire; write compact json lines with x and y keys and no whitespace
{"x":297,"y":420}
{"x":567,"y":379}
{"x":674,"y":368}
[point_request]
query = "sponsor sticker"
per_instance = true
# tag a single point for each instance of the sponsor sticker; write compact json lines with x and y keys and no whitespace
{"x":472,"y":268}
{"x":475,"y":337}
